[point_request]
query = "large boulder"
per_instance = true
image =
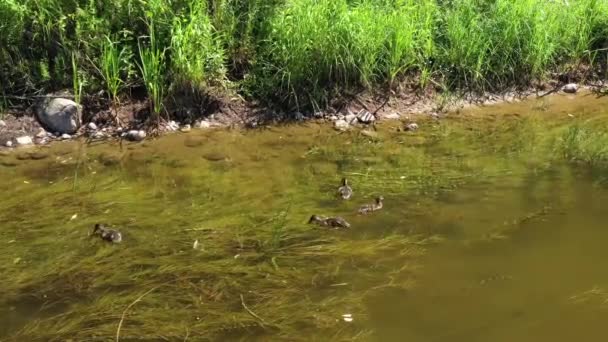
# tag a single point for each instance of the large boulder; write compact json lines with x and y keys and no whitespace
{"x":60,"y":115}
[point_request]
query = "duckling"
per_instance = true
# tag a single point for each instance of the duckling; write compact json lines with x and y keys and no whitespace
{"x":334,"y":222}
{"x":345,"y":190}
{"x":371,"y":207}
{"x":107,"y":234}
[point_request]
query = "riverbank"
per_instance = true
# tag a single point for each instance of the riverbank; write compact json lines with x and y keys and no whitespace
{"x":361,"y":110}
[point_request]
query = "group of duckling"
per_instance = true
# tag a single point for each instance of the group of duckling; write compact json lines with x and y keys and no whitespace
{"x":346,"y":192}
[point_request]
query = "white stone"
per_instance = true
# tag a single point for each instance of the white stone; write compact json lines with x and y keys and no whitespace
{"x":66,"y":136}
{"x":172,"y":126}
{"x":135,"y":135}
{"x":350,"y":118}
{"x":41,"y":133}
{"x":2,"y":123}
{"x":203,"y":124}
{"x":9,"y":144}
{"x":341,"y":125}
{"x":24,"y":140}
{"x":185,"y":128}
{"x":92,"y":126}
{"x":570,"y":88}
{"x":411,"y":126}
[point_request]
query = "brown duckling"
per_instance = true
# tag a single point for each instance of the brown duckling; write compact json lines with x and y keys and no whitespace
{"x":107,"y":234}
{"x":333,"y":222}
{"x":345,"y":191}
{"x":371,"y":207}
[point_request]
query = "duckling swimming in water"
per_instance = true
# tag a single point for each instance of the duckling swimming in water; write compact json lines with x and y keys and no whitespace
{"x":334,"y":222}
{"x":107,"y":234}
{"x":345,"y":190}
{"x":368,"y":208}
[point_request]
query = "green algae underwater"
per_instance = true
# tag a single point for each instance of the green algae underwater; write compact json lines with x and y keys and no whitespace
{"x":493,"y":229}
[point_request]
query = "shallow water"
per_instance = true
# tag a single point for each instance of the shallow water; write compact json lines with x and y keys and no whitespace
{"x":486,"y":234}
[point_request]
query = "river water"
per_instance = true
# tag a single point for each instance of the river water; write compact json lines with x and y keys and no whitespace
{"x":487,"y":234}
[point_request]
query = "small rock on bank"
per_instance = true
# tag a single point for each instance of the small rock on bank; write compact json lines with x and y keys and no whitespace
{"x":570,"y":88}
{"x":341,"y":125}
{"x":135,"y":135}
{"x":60,"y":115}
{"x":411,"y":127}
{"x":24,"y":140}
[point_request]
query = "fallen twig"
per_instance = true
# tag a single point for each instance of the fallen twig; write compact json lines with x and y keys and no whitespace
{"x":251,"y":312}
{"x":124,"y":313}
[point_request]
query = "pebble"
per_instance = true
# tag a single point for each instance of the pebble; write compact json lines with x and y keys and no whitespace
{"x":65,"y":136}
{"x":172,"y":126}
{"x":135,"y":135}
{"x":203,"y":124}
{"x":9,"y":144}
{"x":570,"y":88}
{"x":333,"y":118}
{"x":24,"y":140}
{"x":411,"y":127}
{"x":393,"y":116}
{"x":2,"y":123}
{"x":319,"y":115}
{"x":350,"y":118}
{"x":41,"y":133}
{"x":185,"y":128}
{"x":299,"y":116}
{"x":341,"y":125}
{"x":92,"y":126}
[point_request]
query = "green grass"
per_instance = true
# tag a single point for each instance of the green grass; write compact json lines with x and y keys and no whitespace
{"x":298,"y":53}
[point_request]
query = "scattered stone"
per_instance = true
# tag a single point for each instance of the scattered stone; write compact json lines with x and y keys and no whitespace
{"x":393,"y":116}
{"x":411,"y":127}
{"x":570,"y":88}
{"x":341,"y":125}
{"x":41,"y":134}
{"x":118,"y":129}
{"x":319,"y":115}
{"x":203,"y":124}
{"x":24,"y":140}
{"x":2,"y":123}
{"x":298,"y":116}
{"x":350,"y":118}
{"x":135,"y":135}
{"x":185,"y":129}
{"x":193,"y":141}
{"x":435,"y":116}
{"x":36,"y":155}
{"x":99,"y":135}
{"x":172,"y":126}
{"x":66,"y":136}
{"x":333,"y":118}
{"x":215,"y":156}
{"x":341,"y":116}
{"x":60,"y":115}
{"x":366,"y":117}
{"x":8,"y":144}
{"x":92,"y":126}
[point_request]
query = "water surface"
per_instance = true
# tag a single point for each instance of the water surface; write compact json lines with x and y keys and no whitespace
{"x":487,"y":234}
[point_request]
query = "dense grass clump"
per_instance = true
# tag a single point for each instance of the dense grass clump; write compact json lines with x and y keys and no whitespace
{"x":293,"y":52}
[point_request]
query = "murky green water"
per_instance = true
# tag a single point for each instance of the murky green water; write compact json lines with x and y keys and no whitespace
{"x":486,"y":235}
